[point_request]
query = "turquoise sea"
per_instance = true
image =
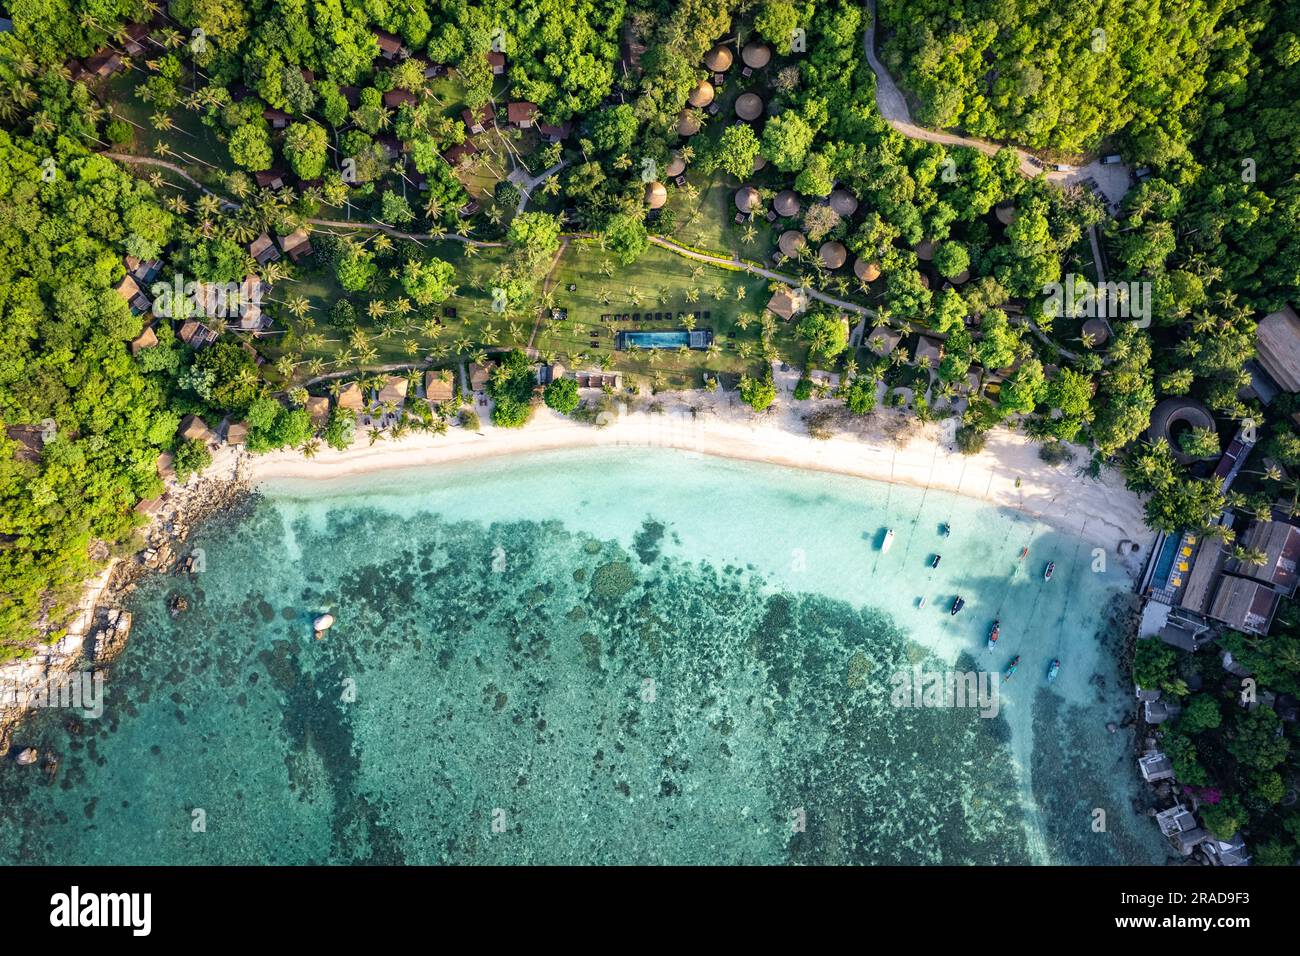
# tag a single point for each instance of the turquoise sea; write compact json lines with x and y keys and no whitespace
{"x":610,"y":656}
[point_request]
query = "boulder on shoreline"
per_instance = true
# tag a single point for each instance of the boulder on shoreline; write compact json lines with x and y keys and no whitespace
{"x":27,"y":756}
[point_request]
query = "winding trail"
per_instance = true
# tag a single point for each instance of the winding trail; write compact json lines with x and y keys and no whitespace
{"x":735,"y":262}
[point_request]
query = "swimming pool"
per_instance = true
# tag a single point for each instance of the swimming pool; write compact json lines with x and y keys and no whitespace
{"x":656,"y":340}
{"x":1165,"y":562}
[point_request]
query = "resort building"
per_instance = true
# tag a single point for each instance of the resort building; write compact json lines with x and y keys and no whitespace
{"x":883,"y":340}
{"x":277,"y":118}
{"x":1244,"y":605}
{"x":269,"y":178}
{"x":479,"y":376}
{"x":390,"y":46}
{"x":193,"y":428}
{"x":749,"y":106}
{"x":146,"y":339}
{"x":928,"y":352}
{"x":131,"y":294}
{"x":477,"y":121}
{"x":318,"y":407}
{"x":866,"y":271}
{"x":393,"y":390}
{"x":351,"y":397}
{"x":755,"y":56}
{"x":554,"y":134}
{"x":439,"y":385}
{"x":521,"y":115}
{"x":397,"y":98}
{"x":1277,"y":347}
{"x":195,"y":334}
{"x":1279,"y":542}
{"x":718,"y":60}
{"x":496,"y":62}
{"x":786,"y":203}
{"x":237,"y":433}
{"x":263,"y":250}
{"x":787,"y":303}
{"x":296,"y":245}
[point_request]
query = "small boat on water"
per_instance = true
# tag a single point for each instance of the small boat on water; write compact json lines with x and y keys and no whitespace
{"x":888,"y":540}
{"x":1047,"y":572}
{"x":921,"y":603}
{"x":1024,"y":553}
{"x":945,"y":529}
{"x":958,"y":604}
{"x":994,"y":632}
{"x":934,"y":562}
{"x":1011,"y":668}
{"x":1053,"y":669}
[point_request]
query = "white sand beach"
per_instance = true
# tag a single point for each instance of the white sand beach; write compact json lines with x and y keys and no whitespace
{"x":885,"y":446}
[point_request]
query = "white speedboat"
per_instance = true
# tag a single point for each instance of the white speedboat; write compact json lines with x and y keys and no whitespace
{"x":888,"y":541}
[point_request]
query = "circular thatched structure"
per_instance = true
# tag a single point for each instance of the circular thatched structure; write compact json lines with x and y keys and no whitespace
{"x":960,"y":277}
{"x":866,"y":271}
{"x":749,"y":106}
{"x":844,"y":202}
{"x":655,"y":195}
{"x":925,"y":250}
{"x":792,"y":242}
{"x":746,"y":198}
{"x":688,"y":124}
{"x":719,"y":59}
{"x":1172,"y":417}
{"x":1096,"y":331}
{"x":702,"y":95}
{"x":833,"y":254}
{"x":786,"y":203}
{"x":676,"y":166}
{"x":756,"y":55}
{"x":925,"y":280}
{"x":1006,"y":212}
{"x":759,"y":161}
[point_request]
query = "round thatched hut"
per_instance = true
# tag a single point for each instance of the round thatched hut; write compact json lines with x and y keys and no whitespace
{"x":702,"y":95}
{"x":924,"y":250}
{"x":746,"y":198}
{"x":655,"y":195}
{"x":1006,"y":212}
{"x":833,"y":254}
{"x":1096,"y":331}
{"x":844,"y":202}
{"x":719,"y":59}
{"x":756,"y":55}
{"x":792,"y":242}
{"x":676,"y":166}
{"x":688,"y":123}
{"x":786,"y":203}
{"x":866,"y":271}
{"x":749,"y":106}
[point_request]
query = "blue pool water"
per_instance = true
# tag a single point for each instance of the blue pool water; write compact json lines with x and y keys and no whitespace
{"x":657,"y":340}
{"x":1165,"y":562}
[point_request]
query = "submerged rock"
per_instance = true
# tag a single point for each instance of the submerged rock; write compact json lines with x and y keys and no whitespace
{"x":27,"y":757}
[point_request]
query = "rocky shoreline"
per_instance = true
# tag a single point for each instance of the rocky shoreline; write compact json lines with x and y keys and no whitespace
{"x":97,"y":634}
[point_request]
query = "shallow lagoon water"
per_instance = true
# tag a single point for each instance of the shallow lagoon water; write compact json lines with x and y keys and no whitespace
{"x":621,"y":655}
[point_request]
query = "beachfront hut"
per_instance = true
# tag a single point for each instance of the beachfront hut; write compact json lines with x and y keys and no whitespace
{"x":236,"y":433}
{"x":351,"y":397}
{"x":747,"y":199}
{"x":393,"y":390}
{"x":844,"y":202}
{"x":1244,"y":605}
{"x":927,"y":349}
{"x":439,"y":385}
{"x":883,"y":340}
{"x":688,"y":123}
{"x":719,"y":59}
{"x":193,"y":428}
{"x":833,"y":254}
{"x":866,"y":271}
{"x":318,"y":408}
{"x":749,"y":106}
{"x":792,"y":242}
{"x":1280,"y":544}
{"x":702,"y":95}
{"x":786,"y":203}
{"x":755,"y":56}
{"x":479,"y":376}
{"x":655,"y":195}
{"x":165,"y":464}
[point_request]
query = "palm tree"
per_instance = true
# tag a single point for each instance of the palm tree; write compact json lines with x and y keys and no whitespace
{"x":310,"y":449}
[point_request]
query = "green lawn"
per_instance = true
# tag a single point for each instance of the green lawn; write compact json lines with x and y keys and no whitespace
{"x":657,"y":282}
